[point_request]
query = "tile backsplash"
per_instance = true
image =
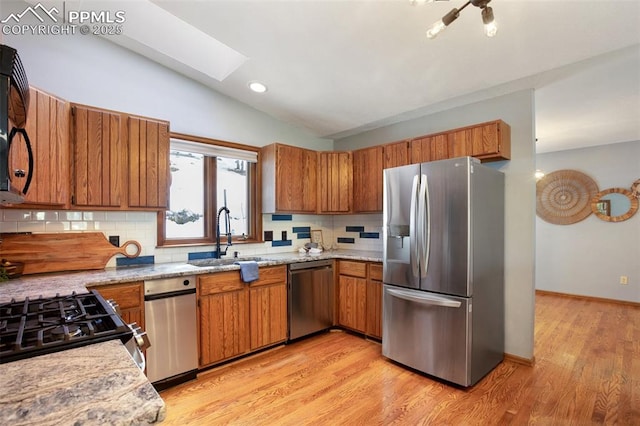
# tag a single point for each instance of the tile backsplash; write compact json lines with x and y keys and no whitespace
{"x":356,"y":232}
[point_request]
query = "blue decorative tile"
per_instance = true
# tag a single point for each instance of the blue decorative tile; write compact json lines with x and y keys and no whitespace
{"x":355,"y":228}
{"x":301,"y":229}
{"x":140,"y":260}
{"x":369,"y":235}
{"x":201,"y":255}
{"x":301,"y":235}
{"x":281,"y":217}
{"x":281,"y":243}
{"x":346,"y":240}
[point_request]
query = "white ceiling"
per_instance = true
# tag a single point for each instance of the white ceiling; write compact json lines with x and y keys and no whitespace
{"x":340,"y":67}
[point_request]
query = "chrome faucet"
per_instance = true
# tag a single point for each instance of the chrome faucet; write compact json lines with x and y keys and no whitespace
{"x":227,"y":229}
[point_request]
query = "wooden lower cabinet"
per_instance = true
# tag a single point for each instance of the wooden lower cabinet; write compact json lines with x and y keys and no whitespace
{"x":129,"y":297}
{"x":360,"y":297}
{"x":236,"y":318}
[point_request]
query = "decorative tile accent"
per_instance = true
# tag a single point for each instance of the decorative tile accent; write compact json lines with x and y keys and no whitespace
{"x":301,"y":230}
{"x":201,"y":255}
{"x":281,"y":243}
{"x":301,"y":235}
{"x":354,"y":228}
{"x":369,"y":235}
{"x":268,"y":235}
{"x":140,"y":260}
{"x":281,"y":217}
{"x":346,"y":240}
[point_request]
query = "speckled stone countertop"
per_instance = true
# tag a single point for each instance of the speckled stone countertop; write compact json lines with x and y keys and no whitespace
{"x":100,"y":384}
{"x":93,"y":385}
{"x":47,"y":285}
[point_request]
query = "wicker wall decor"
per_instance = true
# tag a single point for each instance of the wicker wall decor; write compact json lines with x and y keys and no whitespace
{"x":564,"y":197}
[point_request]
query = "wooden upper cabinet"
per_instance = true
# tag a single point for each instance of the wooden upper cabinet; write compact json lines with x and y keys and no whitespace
{"x":148,"y":163}
{"x":119,"y":160}
{"x":48,"y":130}
{"x":335,"y":182}
{"x":98,"y":157}
{"x":396,"y":154}
{"x":491,"y":141}
{"x":367,"y":179}
{"x":429,"y":148}
{"x":289,"y":179}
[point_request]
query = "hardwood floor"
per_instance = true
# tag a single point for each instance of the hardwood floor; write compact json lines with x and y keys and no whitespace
{"x":587,"y":372}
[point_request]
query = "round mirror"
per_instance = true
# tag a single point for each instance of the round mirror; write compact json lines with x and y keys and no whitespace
{"x":614,"y":204}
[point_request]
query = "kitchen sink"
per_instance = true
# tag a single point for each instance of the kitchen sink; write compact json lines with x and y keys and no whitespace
{"x":221,"y":262}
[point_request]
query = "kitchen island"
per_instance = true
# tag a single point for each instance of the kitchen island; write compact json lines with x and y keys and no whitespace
{"x":99,"y":383}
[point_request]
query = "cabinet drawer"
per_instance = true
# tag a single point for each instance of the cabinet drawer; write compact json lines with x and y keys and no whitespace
{"x":375,"y":271}
{"x":127,"y":296}
{"x":220,"y":282}
{"x":271,"y":275}
{"x":355,"y":269}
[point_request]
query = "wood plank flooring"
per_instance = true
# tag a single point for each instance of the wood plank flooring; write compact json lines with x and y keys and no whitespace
{"x":587,"y":372}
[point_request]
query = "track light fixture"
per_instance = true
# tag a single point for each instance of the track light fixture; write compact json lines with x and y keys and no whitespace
{"x":490,"y":26}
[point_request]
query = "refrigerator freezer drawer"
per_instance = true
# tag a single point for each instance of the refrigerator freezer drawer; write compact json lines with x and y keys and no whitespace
{"x":428,"y":332}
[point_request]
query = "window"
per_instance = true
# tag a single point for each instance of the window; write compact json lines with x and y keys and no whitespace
{"x":207,"y":175}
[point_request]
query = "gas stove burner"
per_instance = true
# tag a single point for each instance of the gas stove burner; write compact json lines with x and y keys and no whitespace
{"x":40,"y":326}
{"x":65,"y":332}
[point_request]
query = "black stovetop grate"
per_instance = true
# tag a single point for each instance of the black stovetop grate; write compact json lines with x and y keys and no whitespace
{"x":32,"y":327}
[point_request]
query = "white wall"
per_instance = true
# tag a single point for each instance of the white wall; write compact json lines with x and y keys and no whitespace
{"x":90,"y":70}
{"x":517,"y":110}
{"x":587,"y":258}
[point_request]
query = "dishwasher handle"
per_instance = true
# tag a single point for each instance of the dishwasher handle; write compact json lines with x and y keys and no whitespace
{"x":167,"y":295}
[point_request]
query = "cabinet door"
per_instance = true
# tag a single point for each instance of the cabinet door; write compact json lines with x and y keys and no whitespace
{"x":268,"y":315}
{"x":367,"y":179}
{"x":289,"y":179}
{"x":335,"y":181}
{"x":460,"y":142}
{"x":130,"y":300}
{"x":224,"y":326}
{"x":396,"y":154}
{"x":492,"y":141}
{"x":429,"y":148}
{"x":148,"y":163}
{"x":97,"y":157}
{"x":352,"y":302}
{"x":48,"y":129}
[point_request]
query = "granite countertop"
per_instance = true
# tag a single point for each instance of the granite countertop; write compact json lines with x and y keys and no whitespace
{"x":91,"y":385}
{"x":47,"y":285}
{"x":100,"y":383}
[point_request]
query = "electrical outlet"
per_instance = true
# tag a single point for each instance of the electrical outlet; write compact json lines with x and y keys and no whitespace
{"x":115,"y":240}
{"x":624,"y":280}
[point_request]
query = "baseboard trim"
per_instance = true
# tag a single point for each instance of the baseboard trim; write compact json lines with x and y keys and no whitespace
{"x":595,"y":299}
{"x":520,"y":360}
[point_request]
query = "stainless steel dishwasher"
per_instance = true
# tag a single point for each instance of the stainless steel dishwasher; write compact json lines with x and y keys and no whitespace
{"x":310,"y":297}
{"x":171,"y":324}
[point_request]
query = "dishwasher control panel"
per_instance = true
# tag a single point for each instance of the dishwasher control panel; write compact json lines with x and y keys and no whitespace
{"x":169,"y":285}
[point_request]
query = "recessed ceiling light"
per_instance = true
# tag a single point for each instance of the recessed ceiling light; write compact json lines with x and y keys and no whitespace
{"x":257,"y":87}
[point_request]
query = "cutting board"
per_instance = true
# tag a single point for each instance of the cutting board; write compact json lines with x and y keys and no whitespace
{"x":55,"y":252}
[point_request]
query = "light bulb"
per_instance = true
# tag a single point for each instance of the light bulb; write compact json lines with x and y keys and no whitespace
{"x":539,"y":174}
{"x":435,"y":29}
{"x":491,"y":29}
{"x":490,"y":26}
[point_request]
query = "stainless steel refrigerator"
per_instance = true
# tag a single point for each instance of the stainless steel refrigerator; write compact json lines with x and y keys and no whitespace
{"x":443,"y":272}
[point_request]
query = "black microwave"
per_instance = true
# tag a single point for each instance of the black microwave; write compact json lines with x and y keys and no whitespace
{"x":14,"y":105}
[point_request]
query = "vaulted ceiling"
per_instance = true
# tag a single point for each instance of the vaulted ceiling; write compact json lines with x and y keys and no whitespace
{"x":337,"y":67}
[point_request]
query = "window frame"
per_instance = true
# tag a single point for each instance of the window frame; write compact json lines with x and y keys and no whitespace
{"x":255,"y":199}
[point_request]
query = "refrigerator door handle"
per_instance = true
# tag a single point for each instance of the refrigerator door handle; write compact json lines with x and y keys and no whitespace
{"x":413,"y":238}
{"x":424,"y":299}
{"x":425,"y":226}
